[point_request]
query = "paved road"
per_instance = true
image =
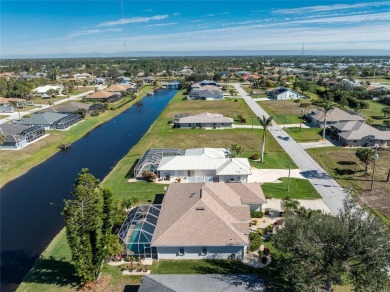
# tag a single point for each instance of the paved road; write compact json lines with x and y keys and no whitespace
{"x":15,"y":115}
{"x":332,"y":193}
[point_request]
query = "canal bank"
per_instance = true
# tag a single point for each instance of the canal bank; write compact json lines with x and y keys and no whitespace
{"x":31,"y":204}
{"x":14,"y":166}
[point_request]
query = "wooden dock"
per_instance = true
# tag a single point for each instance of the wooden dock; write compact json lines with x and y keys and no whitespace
{"x":65,"y":146}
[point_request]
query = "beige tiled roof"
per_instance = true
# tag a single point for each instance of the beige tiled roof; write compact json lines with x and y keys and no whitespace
{"x":100,"y":94}
{"x":206,"y":214}
{"x":119,"y":87}
{"x":358,"y":130}
{"x":336,"y":115}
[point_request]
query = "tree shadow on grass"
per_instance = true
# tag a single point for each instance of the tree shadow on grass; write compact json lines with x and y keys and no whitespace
{"x":346,"y":162}
{"x":340,"y":171}
{"x":223,"y":267}
{"x":130,"y":173}
{"x":53,"y":271}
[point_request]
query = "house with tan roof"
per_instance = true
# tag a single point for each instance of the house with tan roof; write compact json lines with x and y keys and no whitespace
{"x":195,"y":221}
{"x":357,"y":133}
{"x":202,"y":120}
{"x":121,"y":88}
{"x":333,"y":116}
{"x":103,"y":96}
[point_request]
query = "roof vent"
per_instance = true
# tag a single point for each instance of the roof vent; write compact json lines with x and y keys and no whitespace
{"x":199,"y":208}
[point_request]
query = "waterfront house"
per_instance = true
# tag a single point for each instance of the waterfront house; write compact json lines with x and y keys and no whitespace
{"x":120,"y":88}
{"x":202,"y":120}
{"x":103,"y":96}
{"x":333,"y":116}
{"x":68,"y":108}
{"x":17,"y":136}
{"x":50,"y":120}
{"x":206,"y":92}
{"x":357,"y":133}
{"x":194,"y":221}
{"x":42,"y":91}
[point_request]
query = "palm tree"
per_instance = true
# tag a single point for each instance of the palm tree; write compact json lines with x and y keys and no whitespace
{"x":289,"y":204}
{"x":2,"y":138}
{"x":264,"y":122}
{"x":326,"y":107}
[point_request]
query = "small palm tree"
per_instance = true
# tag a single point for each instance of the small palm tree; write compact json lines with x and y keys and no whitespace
{"x":264,"y":122}
{"x":365,"y":155}
{"x":289,"y":204}
{"x":326,"y":107}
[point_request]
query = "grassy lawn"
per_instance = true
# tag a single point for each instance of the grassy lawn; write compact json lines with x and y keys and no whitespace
{"x":373,"y":112}
{"x":39,"y":100}
{"x":272,"y":160}
{"x":81,"y":89}
{"x":299,"y":189}
{"x":3,"y":117}
{"x":285,"y":111}
{"x":342,"y":164}
{"x":304,"y":135}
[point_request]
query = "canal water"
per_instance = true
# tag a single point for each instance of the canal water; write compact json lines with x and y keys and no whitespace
{"x":31,"y":205}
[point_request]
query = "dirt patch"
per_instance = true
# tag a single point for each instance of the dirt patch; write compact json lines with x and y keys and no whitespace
{"x":377,"y":199}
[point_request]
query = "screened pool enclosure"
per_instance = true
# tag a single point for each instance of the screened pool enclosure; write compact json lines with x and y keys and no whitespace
{"x":151,"y":159}
{"x":137,"y":231}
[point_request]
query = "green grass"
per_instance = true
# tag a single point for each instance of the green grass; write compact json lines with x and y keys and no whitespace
{"x":3,"y":117}
{"x":282,"y":119}
{"x":304,"y":135}
{"x":299,"y":189}
{"x":272,"y":160}
{"x":373,"y":112}
{"x":200,"y":267}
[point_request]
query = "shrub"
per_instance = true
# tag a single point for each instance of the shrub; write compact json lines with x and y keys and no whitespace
{"x":254,"y":222}
{"x":264,"y":260}
{"x":257,"y":214}
{"x":149,"y":176}
{"x":255,"y":241}
{"x":95,"y":113}
{"x":270,"y":228}
{"x":266,"y":212}
{"x":268,"y":196}
{"x":260,"y":231}
{"x":254,"y":157}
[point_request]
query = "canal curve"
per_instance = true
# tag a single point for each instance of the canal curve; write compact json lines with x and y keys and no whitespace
{"x":31,"y":205}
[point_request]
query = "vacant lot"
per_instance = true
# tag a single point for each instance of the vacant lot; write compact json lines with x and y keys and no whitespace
{"x":343,"y":165}
{"x":304,"y":135}
{"x":373,"y":112}
{"x":285,"y":111}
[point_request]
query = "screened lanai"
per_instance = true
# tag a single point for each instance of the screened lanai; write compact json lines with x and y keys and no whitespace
{"x":137,"y":231}
{"x":67,"y":121}
{"x":151,"y":159}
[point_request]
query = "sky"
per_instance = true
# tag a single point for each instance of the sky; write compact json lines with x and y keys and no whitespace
{"x":45,"y":28}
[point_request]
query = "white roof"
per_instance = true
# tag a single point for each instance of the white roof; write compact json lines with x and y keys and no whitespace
{"x":222,"y":166}
{"x":205,"y":118}
{"x":44,"y":89}
{"x":209,"y":152}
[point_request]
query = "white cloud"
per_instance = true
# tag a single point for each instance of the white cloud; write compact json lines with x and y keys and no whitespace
{"x":314,"y":9}
{"x":161,"y":24}
{"x":132,"y":20}
{"x":90,"y":32}
{"x":348,"y":19}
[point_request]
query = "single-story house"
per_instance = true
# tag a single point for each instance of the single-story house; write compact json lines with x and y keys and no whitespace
{"x":206,"y":92}
{"x":204,"y":164}
{"x":42,"y":90}
{"x":203,"y":120}
{"x":6,"y":109}
{"x":68,"y":108}
{"x":357,"y":133}
{"x":283,"y":93}
{"x":333,"y":116}
{"x":17,"y":136}
{"x":50,"y":120}
{"x":251,"y":77}
{"x":174,"y":84}
{"x":201,"y":282}
{"x":121,"y":88}
{"x":205,"y":221}
{"x":103,"y":96}
{"x":99,"y":81}
{"x":186,"y":71}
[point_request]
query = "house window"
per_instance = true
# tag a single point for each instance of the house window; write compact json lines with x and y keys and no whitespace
{"x":203,"y":251}
{"x":181,"y":251}
{"x":189,"y":125}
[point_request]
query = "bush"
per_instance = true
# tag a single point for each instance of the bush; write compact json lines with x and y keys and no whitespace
{"x":254,"y":222}
{"x":95,"y":113}
{"x":255,"y":241}
{"x":264,"y":260}
{"x":257,"y":214}
{"x":270,"y":228}
{"x":260,"y":231}
{"x":268,"y":196}
{"x":149,"y":176}
{"x":254,"y":157}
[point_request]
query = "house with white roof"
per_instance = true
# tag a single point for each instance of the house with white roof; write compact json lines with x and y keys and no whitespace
{"x":42,"y":90}
{"x":205,"y":92}
{"x":204,"y":164}
{"x":283,"y":93}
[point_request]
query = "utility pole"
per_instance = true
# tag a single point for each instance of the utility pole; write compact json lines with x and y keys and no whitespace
{"x":373,"y":167}
{"x":289,"y":175}
{"x":300,"y":125}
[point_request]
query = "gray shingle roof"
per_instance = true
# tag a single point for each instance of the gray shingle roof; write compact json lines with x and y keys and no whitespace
{"x":204,"y":283}
{"x":12,"y":129}
{"x":42,"y":119}
{"x":358,"y":130}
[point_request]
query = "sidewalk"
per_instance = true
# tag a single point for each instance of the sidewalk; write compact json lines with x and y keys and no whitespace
{"x":332,"y":193}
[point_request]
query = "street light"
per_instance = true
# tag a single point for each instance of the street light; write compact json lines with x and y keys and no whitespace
{"x":376,"y":157}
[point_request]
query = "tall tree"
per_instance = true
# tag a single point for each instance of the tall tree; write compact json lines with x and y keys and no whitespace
{"x":326,"y":107}
{"x":237,"y":149}
{"x":87,"y":221}
{"x":264,"y":123}
{"x":322,"y":249}
{"x":365,"y":155}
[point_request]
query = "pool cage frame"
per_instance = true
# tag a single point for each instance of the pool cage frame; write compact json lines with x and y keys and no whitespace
{"x":137,"y":231}
{"x":151,"y":159}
